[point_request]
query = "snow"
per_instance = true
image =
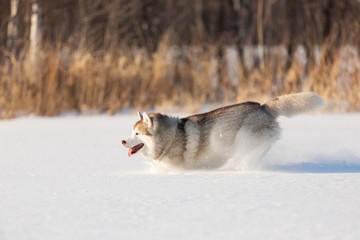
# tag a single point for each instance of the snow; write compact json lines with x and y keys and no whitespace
{"x":69,"y":178}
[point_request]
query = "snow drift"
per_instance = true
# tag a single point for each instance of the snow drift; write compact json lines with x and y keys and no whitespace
{"x":69,"y":178}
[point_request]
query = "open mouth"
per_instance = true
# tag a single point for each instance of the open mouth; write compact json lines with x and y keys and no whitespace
{"x":134,"y":150}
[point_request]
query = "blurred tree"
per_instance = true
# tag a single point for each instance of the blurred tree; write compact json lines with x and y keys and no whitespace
{"x":4,"y":20}
{"x":108,"y":24}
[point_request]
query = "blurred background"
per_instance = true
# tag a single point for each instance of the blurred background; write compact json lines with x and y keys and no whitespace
{"x":108,"y":55}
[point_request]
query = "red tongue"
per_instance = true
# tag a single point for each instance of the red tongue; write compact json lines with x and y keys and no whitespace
{"x":135,"y":149}
{"x":130,"y":151}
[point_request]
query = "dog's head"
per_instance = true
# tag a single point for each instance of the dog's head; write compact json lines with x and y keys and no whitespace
{"x":141,"y":139}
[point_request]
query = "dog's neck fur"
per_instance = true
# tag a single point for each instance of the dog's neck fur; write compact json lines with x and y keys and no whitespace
{"x":172,"y":139}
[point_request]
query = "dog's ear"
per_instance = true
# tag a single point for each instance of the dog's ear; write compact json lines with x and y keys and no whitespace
{"x":140,"y":115}
{"x":147,"y":119}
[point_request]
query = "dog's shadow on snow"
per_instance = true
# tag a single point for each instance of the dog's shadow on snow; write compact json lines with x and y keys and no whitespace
{"x":321,"y":164}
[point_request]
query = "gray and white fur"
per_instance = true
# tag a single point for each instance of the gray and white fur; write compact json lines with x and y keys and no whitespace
{"x":210,"y":139}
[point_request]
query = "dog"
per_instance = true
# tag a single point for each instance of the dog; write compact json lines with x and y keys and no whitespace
{"x":209,"y":140}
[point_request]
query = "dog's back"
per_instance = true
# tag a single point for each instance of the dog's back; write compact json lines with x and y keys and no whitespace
{"x":246,"y":129}
{"x":224,"y":131}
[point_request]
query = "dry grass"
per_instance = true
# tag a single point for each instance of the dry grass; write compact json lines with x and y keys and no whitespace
{"x":172,"y":76}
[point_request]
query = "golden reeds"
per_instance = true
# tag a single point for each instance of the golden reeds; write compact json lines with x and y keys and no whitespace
{"x":171,"y":76}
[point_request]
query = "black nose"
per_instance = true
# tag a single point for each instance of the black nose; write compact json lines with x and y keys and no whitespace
{"x":123,"y":142}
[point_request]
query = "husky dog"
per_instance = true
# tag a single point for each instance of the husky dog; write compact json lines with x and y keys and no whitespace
{"x":210,"y":139}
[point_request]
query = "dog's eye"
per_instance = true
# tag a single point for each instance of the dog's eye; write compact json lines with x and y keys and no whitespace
{"x":137,"y":133}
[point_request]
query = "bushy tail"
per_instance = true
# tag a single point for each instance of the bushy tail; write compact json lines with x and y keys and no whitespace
{"x":292,"y":104}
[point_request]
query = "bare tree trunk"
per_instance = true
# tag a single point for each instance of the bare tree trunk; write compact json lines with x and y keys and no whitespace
{"x":4,"y":18}
{"x":198,"y":20}
{"x":35,"y":32}
{"x":331,"y":29}
{"x":291,"y":18}
{"x":241,"y":20}
{"x":84,"y":25}
{"x":260,"y":33}
{"x":311,"y":33}
{"x":13,"y":25}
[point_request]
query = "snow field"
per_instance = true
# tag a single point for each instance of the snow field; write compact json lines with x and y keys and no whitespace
{"x":70,"y":178}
